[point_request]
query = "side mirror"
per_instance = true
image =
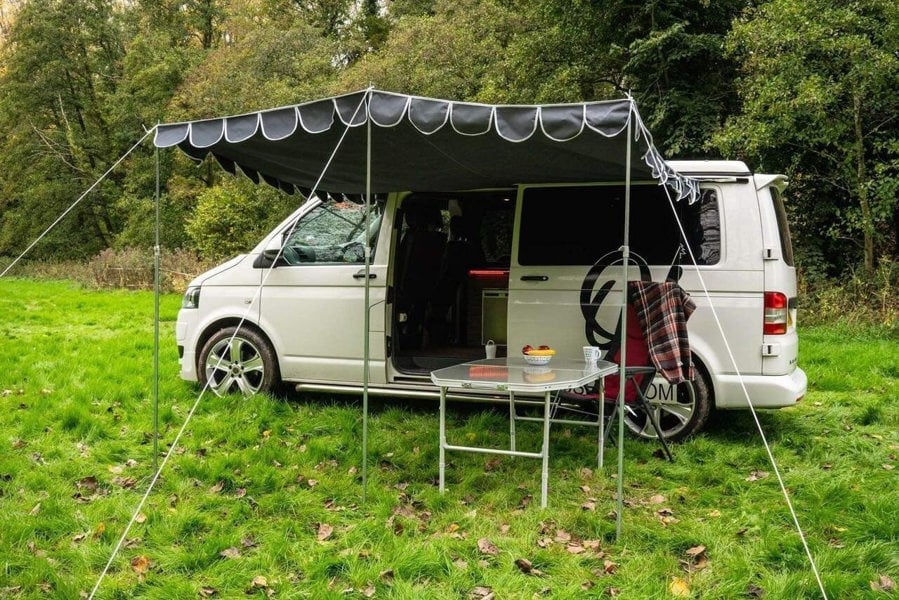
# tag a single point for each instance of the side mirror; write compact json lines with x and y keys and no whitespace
{"x":271,"y":256}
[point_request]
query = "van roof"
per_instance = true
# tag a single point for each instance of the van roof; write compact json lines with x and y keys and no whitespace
{"x":710,"y":167}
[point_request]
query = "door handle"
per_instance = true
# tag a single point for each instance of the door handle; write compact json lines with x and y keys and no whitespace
{"x":361,"y":275}
{"x":535,"y":278}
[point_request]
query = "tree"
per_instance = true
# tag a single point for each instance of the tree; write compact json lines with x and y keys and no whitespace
{"x":819,"y":103}
{"x":668,"y":54}
{"x":62,"y":62}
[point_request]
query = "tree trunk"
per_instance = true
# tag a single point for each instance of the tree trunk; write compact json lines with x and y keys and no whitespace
{"x":862,"y":185}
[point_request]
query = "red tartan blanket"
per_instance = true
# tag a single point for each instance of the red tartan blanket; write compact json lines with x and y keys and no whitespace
{"x":663,"y":310}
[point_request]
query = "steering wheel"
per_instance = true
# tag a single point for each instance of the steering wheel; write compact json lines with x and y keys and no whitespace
{"x":353,"y":252}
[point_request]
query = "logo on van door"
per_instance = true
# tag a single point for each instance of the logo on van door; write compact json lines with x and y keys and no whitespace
{"x":604,"y":273}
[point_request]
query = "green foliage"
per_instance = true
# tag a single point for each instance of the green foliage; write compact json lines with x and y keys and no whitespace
{"x":232,"y":217}
{"x":805,"y":88}
{"x":819,"y":103}
{"x":252,"y":481}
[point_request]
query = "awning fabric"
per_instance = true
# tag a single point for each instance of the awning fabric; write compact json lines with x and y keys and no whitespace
{"x":426,"y":144}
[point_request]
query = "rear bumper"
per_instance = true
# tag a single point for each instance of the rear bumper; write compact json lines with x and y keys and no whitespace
{"x":765,"y":391}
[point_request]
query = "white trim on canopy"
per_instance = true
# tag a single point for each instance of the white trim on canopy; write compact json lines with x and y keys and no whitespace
{"x":428,"y":144}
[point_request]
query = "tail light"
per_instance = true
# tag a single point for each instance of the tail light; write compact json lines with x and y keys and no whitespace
{"x":776,"y":313}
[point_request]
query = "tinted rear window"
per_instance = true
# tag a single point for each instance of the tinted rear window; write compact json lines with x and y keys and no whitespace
{"x":783,"y":227}
{"x":578,"y":225}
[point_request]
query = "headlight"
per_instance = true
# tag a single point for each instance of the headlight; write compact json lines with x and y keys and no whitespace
{"x":191,"y":298}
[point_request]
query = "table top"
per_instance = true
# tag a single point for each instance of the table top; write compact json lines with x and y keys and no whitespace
{"x":515,"y":375}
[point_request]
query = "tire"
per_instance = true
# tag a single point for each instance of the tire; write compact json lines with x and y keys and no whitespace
{"x":233,"y":361}
{"x":680,"y":417}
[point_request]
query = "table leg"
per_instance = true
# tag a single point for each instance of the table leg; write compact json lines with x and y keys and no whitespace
{"x":442,"y":437}
{"x":512,"y":420}
{"x":601,"y":388}
{"x":544,"y":481}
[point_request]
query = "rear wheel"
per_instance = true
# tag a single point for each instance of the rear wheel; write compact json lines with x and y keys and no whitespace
{"x":679,"y":414}
{"x":235,"y":361}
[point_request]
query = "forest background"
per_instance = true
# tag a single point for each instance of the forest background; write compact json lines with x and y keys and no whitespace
{"x":801,"y":87}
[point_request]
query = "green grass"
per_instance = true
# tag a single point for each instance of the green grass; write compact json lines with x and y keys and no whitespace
{"x":256,"y":479}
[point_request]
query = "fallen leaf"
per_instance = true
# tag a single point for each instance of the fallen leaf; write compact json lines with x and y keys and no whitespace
{"x":695,"y":551}
{"x":386,"y":576}
{"x":492,"y":464}
{"x":563,"y":536}
{"x":259,"y":582}
{"x":45,"y":587}
{"x":487,"y":547}
{"x":481,"y":592}
{"x":657,"y":499}
{"x":231,"y":552}
{"x":208,"y":592}
{"x":125,"y":482}
{"x":588,"y":585}
{"x":754,"y":591}
{"x":526,"y":567}
{"x":887,"y":467}
{"x":589,"y":505}
{"x":883,"y":584}
{"x":99,"y":530}
{"x":140,"y":518}
{"x":140,"y":565}
{"x":679,"y":588}
{"x":504,"y":528}
{"x":609,"y":567}
{"x":218,"y":487}
{"x":369,"y":590}
{"x":324,"y":531}
{"x":88,"y":484}
{"x":613,"y":592}
{"x":79,"y":538}
{"x":248,"y":542}
{"x":715,"y":513}
{"x":460,"y":564}
{"x":34,"y":511}
{"x":575,"y":549}
{"x":756,"y":475}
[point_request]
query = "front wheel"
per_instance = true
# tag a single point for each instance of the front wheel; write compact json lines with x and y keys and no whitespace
{"x":680,"y":410}
{"x":238,"y":361}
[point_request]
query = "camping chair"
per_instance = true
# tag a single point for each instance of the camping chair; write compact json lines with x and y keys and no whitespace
{"x":656,"y":344}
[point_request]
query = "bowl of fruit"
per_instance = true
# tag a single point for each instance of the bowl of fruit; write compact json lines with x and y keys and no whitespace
{"x":537,"y":355}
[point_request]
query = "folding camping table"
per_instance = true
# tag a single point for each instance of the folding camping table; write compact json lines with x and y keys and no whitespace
{"x":515,"y":376}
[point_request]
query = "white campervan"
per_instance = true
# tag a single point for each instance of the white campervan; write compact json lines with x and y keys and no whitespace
{"x":451,"y":271}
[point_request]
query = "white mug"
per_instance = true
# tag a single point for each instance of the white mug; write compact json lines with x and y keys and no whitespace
{"x":591,"y":354}
{"x":490,"y":349}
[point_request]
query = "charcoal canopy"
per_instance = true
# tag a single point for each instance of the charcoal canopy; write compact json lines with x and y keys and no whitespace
{"x":425,"y":144}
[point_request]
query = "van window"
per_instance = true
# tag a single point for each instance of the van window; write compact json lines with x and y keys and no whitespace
{"x":333,"y":232}
{"x":579,"y":224}
{"x":783,"y":226}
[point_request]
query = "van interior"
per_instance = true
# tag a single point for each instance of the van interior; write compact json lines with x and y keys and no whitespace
{"x":451,"y":277}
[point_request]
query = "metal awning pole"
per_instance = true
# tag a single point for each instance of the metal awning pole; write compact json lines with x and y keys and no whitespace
{"x":156,"y":292}
{"x":625,"y":259}
{"x":367,"y":316}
